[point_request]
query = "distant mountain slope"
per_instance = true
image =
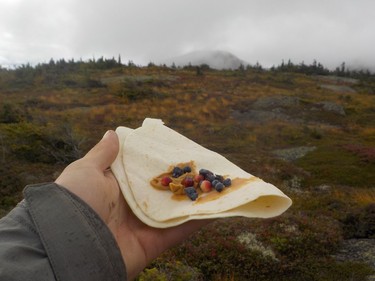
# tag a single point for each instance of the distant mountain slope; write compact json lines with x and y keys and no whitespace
{"x":215,"y":59}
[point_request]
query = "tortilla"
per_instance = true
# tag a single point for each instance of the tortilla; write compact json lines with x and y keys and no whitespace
{"x":148,"y":151}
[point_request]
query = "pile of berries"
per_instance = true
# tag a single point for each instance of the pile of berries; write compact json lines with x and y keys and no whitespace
{"x":205,"y":180}
{"x":210,"y":180}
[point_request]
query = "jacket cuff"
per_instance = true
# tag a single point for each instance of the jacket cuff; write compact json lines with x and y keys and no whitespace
{"x":78,"y":243}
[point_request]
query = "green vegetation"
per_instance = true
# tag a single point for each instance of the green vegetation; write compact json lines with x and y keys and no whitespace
{"x":51,"y":114}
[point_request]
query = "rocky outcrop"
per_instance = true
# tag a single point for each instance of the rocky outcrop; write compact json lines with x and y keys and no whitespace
{"x":287,"y":108}
{"x":358,"y":250}
{"x":276,"y":102}
{"x":339,"y":88}
{"x":291,"y":154}
{"x":329,"y":107}
{"x":259,"y":116}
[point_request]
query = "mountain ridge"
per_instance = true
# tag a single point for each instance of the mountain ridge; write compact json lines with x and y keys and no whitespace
{"x":217,"y":59}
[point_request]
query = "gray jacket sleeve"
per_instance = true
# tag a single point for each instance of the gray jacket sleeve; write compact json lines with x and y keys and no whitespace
{"x":53,"y":235}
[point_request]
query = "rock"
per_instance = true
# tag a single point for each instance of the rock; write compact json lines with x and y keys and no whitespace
{"x":324,"y":188}
{"x":295,"y":183}
{"x":358,"y":250}
{"x":275,"y":101}
{"x":342,"y":89}
{"x":331,"y":107}
{"x":286,"y":108}
{"x":258,"y":116}
{"x":291,"y":154}
{"x":266,"y":109}
{"x":337,"y":79}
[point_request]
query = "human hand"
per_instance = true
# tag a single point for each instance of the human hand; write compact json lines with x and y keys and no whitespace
{"x":91,"y":180}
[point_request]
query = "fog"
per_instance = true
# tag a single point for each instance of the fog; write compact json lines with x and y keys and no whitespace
{"x":143,"y":31}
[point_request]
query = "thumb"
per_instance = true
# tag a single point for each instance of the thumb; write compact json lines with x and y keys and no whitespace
{"x":105,"y":151}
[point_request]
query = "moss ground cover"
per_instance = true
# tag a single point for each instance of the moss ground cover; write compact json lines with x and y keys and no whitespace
{"x":54,"y":114}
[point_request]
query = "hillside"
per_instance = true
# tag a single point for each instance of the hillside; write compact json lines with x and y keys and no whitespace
{"x":311,"y":135}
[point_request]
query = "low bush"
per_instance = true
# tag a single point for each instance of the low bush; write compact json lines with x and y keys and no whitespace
{"x":34,"y":143}
{"x":367,"y":154}
{"x":11,"y":113}
{"x":332,"y":164}
{"x":174,"y":270}
{"x":361,"y":223}
{"x":249,"y":249}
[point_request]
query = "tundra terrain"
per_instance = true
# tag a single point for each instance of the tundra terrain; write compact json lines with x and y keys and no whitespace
{"x":311,"y":133}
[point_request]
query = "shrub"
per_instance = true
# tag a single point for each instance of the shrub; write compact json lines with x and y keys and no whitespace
{"x":24,"y":141}
{"x":170,"y":271}
{"x":152,"y":274}
{"x":227,"y":250}
{"x":10,"y":113}
{"x":361,"y":223}
{"x":351,"y":271}
{"x":140,"y":89}
{"x":367,"y":154}
{"x":44,"y":144}
{"x":250,"y":249}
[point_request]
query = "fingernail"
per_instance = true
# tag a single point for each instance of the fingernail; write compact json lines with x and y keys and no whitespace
{"x":106,"y":134}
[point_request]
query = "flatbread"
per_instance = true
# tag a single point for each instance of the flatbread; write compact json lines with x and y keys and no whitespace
{"x":148,"y":151}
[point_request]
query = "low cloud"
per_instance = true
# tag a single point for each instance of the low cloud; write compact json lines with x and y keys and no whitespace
{"x":142,"y":31}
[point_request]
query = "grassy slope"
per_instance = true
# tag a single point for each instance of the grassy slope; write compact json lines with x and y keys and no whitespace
{"x":217,"y":110}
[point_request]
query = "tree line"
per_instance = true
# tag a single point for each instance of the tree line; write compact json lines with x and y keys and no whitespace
{"x":317,"y":68}
{"x":61,"y":67}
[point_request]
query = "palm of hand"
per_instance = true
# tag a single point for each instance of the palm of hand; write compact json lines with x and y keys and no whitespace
{"x":90,"y":179}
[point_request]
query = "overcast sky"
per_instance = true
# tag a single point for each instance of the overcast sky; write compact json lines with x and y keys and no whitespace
{"x":267,"y":31}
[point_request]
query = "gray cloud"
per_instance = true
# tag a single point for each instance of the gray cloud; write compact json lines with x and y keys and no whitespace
{"x":267,"y":31}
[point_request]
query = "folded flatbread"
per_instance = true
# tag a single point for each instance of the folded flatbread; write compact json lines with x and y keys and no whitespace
{"x":150,"y":150}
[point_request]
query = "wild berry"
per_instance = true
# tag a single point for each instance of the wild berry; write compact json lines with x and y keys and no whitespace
{"x":210,"y":177}
{"x":188,"y":181}
{"x":177,"y":172}
{"x":214,"y":182}
{"x":219,"y":187}
{"x":189,"y":189}
{"x":191,"y":193}
{"x":204,"y":172}
{"x":227,"y":182}
{"x":198,"y":178}
{"x":205,"y":186}
{"x":165,"y":181}
{"x":186,"y":169}
{"x":219,"y":178}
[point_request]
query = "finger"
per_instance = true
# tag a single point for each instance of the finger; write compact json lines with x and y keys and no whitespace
{"x":104,"y":153}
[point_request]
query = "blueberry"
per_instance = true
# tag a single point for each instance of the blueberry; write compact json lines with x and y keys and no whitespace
{"x":227,"y":182}
{"x":204,"y":172}
{"x":219,"y":178}
{"x":186,"y":169}
{"x":191,"y":193}
{"x":190,"y":189}
{"x":214,"y":182}
{"x":210,"y":177}
{"x":219,"y":187}
{"x":177,"y":172}
{"x":193,"y":196}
